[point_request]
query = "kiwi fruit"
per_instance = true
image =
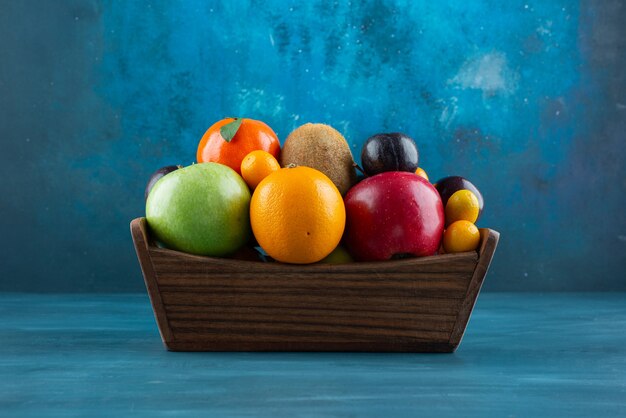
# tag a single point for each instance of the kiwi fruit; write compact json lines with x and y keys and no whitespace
{"x":323,"y":148}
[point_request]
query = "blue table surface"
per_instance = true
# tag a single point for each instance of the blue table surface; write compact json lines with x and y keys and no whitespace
{"x":522,"y":355}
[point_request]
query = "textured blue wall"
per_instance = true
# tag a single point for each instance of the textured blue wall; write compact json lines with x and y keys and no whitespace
{"x":528,"y":100}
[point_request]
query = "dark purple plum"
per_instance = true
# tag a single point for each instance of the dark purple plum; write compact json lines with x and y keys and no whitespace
{"x":447,"y":186}
{"x":389,"y":152}
{"x":156,"y":176}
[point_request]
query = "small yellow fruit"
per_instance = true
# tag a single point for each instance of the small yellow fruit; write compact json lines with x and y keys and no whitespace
{"x":256,"y":166}
{"x":420,"y":172}
{"x":461,"y":236}
{"x":462,"y":205}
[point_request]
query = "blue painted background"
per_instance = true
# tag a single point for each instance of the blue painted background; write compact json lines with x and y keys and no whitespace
{"x":526,"y":99}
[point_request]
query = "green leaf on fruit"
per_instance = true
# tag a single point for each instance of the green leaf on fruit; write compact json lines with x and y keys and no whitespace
{"x":229,"y":130}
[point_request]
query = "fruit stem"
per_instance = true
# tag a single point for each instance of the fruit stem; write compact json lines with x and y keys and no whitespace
{"x":355,"y":165}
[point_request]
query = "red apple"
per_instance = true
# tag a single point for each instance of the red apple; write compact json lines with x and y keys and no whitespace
{"x":393,"y":214}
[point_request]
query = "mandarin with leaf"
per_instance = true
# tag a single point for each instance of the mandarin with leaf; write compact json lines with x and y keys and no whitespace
{"x":229,"y":140}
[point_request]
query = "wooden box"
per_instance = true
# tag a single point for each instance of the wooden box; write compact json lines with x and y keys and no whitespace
{"x":218,"y":304}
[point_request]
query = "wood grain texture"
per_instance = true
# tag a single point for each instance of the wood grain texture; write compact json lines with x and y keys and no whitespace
{"x":217,"y":304}
{"x":489,"y":242}
{"x":142,"y":240}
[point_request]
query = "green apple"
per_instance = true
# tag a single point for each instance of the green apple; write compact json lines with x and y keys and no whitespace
{"x":338,"y":256}
{"x":201,"y":209}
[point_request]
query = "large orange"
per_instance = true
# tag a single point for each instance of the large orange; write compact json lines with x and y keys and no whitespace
{"x":251,"y":135}
{"x":297,"y":215}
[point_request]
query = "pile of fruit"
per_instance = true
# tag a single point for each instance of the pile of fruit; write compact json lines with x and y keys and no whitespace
{"x":248,"y":198}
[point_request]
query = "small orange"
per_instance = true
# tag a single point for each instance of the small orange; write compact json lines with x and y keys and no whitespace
{"x":297,"y":215}
{"x":420,"y":172}
{"x":461,"y":236}
{"x":256,"y":166}
{"x":249,"y":136}
{"x":462,"y":205}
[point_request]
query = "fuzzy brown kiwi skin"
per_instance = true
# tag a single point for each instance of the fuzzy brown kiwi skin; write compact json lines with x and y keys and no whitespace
{"x":321,"y":147}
